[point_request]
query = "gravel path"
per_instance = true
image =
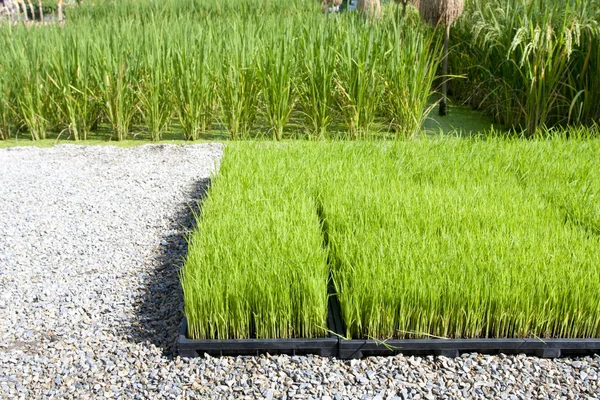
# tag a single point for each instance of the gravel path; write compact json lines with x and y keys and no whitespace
{"x":90,"y":243}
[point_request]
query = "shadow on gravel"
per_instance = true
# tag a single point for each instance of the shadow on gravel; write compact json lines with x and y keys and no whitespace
{"x":159,"y":307}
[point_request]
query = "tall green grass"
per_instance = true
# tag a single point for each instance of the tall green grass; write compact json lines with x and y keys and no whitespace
{"x":405,"y":106}
{"x":24,"y":68}
{"x":239,"y":80}
{"x":194,"y":88}
{"x":277,"y":74}
{"x":5,"y":112}
{"x":359,"y":76}
{"x":154,"y":88}
{"x":116,"y":71}
{"x":74,"y":87}
{"x":316,"y":85}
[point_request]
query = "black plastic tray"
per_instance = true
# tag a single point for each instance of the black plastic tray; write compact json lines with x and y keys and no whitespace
{"x":545,"y":348}
{"x":325,"y":347}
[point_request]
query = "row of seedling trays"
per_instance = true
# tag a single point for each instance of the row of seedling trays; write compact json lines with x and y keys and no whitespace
{"x":423,"y":247}
{"x":334,"y":345}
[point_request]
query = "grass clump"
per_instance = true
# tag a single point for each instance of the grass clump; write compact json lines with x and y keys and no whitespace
{"x":256,"y":266}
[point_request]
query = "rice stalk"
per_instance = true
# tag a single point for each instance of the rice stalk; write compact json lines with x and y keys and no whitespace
{"x":194,"y":89}
{"x":239,"y":82}
{"x":277,"y":70}
{"x":358,"y":77}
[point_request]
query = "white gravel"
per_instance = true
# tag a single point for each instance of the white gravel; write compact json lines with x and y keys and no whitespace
{"x":90,"y":244}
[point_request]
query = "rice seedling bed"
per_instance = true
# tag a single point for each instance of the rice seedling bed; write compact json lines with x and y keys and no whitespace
{"x":438,"y":246}
{"x":324,"y":347}
{"x":256,"y":269}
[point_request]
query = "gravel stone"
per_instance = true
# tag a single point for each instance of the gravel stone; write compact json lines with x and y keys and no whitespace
{"x":91,"y":240}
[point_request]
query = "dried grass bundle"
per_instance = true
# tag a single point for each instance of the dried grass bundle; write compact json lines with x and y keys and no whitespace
{"x":443,"y":12}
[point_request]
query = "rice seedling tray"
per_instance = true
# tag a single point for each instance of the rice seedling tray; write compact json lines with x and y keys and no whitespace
{"x":324,"y":347}
{"x":545,"y":348}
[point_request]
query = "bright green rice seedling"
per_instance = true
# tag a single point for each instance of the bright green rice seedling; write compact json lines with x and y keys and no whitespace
{"x":442,"y":238}
{"x":256,"y":266}
{"x":571,"y":182}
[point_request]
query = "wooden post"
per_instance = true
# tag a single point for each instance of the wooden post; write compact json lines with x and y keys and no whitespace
{"x":60,"y":11}
{"x":444,"y":102}
{"x":24,"y":9}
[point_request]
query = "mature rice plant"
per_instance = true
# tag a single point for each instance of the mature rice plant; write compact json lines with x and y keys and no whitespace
{"x":277,"y":70}
{"x":116,"y":72}
{"x":256,"y":266}
{"x":156,"y":79}
{"x":202,"y":62}
{"x":409,"y":71}
{"x":530,"y":60}
{"x":358,"y":76}
{"x":194,"y":86}
{"x":582,"y":84}
{"x":26,"y":65}
{"x":316,"y":75}
{"x":5,"y":111}
{"x":239,"y":81}
{"x":74,"y":94}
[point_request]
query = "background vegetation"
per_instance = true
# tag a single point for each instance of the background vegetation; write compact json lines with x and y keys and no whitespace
{"x":529,"y":63}
{"x":191,"y":67}
{"x":283,"y":69}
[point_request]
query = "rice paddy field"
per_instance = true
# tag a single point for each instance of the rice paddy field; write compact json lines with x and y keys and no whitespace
{"x":460,"y":238}
{"x":190,"y":69}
